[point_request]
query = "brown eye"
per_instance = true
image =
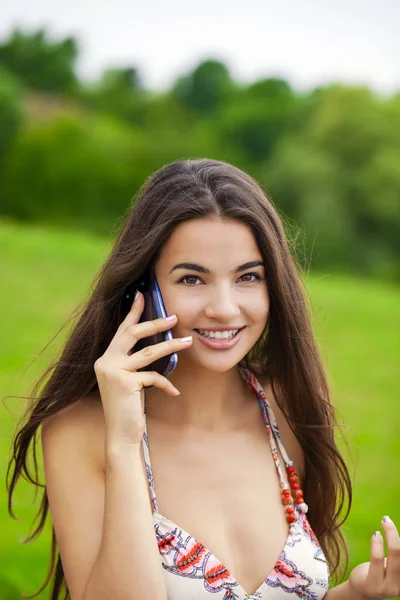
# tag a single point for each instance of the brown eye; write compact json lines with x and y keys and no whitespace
{"x":257,"y":277}
{"x":188,"y":279}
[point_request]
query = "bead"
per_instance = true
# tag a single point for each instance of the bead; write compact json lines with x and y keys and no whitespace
{"x":303,"y":507}
{"x":295,"y":486}
{"x":292,"y":518}
{"x":286,"y":500}
{"x":286,"y":492}
{"x":290,"y":510}
{"x":297,"y":493}
{"x":293,"y":478}
{"x":299,"y":500}
{"x":290,"y":469}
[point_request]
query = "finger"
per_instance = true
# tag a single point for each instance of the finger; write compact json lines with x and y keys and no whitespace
{"x":149,"y":354}
{"x":376,"y":572}
{"x":133,"y":314}
{"x":137,"y":331}
{"x":393,"y":546}
{"x":147,"y":378}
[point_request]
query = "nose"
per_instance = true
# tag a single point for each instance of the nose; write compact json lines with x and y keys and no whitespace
{"x":222,"y":304}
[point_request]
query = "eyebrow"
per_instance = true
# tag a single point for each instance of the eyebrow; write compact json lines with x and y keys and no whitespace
{"x":193,"y":267}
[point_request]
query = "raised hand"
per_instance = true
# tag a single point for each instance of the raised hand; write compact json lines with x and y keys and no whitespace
{"x":121,"y":385}
{"x":380,"y":578}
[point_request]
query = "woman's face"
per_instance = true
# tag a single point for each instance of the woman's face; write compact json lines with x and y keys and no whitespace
{"x":211,"y":276}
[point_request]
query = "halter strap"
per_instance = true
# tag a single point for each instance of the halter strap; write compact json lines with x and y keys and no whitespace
{"x":271,"y":423}
{"x":149,"y":472}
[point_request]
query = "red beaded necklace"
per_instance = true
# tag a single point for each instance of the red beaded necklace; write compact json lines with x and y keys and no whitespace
{"x":292,"y":494}
{"x":297,"y":494}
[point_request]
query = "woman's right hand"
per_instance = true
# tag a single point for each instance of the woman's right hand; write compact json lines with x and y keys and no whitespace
{"x":121,"y":385}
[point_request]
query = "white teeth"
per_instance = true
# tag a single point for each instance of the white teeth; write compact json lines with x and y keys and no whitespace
{"x":219,"y":334}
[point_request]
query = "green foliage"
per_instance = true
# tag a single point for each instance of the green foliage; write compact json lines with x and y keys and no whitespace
{"x":11,"y":94}
{"x":339,"y":175}
{"x":206,"y":89}
{"x":42,"y":64}
{"x":329,"y":158}
{"x":81,"y":172}
{"x":118,"y":93}
{"x":257,"y":117}
{"x":70,"y":170}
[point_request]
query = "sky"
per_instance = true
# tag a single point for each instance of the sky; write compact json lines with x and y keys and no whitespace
{"x":307,"y":42}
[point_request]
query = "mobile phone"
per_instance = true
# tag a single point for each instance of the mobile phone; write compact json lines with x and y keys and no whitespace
{"x":154,"y":308}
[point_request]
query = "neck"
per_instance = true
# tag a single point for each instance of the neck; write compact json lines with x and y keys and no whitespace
{"x":208,"y":400}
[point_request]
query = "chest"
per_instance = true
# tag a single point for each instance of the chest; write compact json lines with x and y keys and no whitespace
{"x":224,"y":490}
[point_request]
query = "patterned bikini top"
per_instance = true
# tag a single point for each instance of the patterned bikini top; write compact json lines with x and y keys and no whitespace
{"x":193,"y":572}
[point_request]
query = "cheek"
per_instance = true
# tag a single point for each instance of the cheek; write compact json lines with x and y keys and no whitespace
{"x":183,"y":306}
{"x":257,"y":307}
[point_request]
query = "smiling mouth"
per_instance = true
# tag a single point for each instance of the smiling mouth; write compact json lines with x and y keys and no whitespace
{"x":227,"y":334}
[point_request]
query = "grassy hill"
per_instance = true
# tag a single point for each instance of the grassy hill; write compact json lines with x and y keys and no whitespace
{"x":46,"y":273}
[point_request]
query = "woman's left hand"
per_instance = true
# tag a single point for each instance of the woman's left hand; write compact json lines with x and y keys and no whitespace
{"x":380,"y":578}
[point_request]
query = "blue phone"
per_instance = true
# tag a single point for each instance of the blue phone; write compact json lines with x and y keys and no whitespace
{"x":154,"y":308}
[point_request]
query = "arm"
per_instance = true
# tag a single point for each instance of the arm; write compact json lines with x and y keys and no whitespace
{"x":128,"y":564}
{"x":103,"y":522}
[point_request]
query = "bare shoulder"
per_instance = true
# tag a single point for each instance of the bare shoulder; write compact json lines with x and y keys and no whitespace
{"x":290,"y":442}
{"x":81,"y":423}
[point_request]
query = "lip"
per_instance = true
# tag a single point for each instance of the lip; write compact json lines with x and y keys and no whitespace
{"x":219,"y":344}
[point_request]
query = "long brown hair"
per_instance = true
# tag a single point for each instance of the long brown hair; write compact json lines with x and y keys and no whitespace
{"x":287,"y":352}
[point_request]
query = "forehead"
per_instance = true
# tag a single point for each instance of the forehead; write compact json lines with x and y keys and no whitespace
{"x":211,"y":241}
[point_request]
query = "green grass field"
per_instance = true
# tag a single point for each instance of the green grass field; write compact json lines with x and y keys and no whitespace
{"x":46,"y":273}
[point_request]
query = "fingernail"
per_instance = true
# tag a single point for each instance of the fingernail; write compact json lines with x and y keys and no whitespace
{"x":187,"y":339}
{"x":136,"y":295}
{"x":377,"y":534}
{"x":170,"y":318}
{"x":387,"y":519}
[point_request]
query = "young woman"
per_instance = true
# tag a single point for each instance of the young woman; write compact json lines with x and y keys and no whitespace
{"x":222,"y":481}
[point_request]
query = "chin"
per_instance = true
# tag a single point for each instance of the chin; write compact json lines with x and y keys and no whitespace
{"x":216,"y":364}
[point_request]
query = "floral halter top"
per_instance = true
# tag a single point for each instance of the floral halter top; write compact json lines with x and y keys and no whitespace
{"x":193,"y":572}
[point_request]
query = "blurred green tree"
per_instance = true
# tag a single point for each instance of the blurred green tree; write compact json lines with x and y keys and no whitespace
{"x":118,"y":92}
{"x":339,"y":175}
{"x":206,"y":89}
{"x":257,"y":117}
{"x":82,"y":172}
{"x":11,"y":96}
{"x":39,"y":62}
